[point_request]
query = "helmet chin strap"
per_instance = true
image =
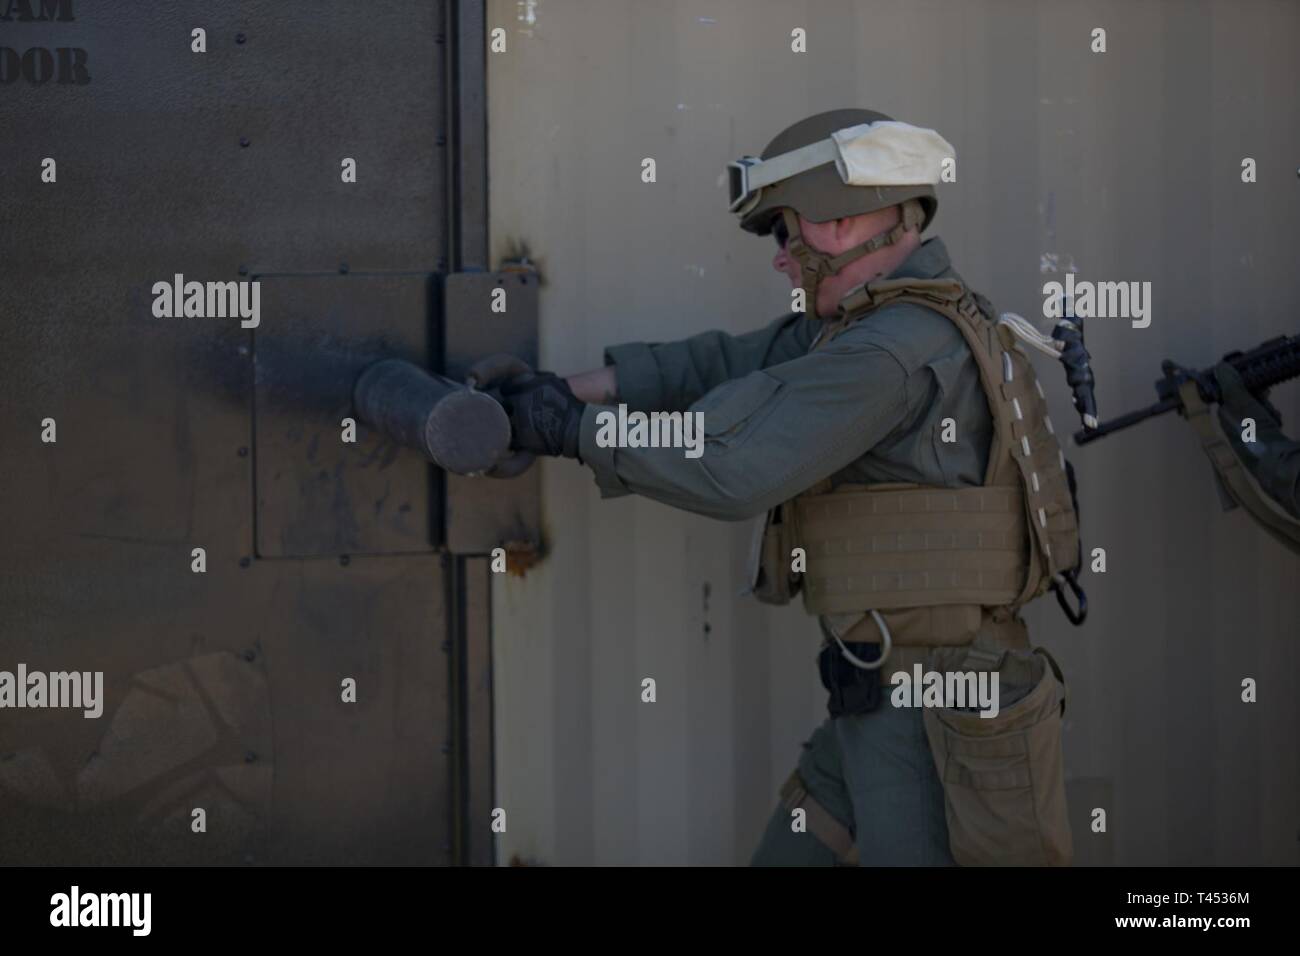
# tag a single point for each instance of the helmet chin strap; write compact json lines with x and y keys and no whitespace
{"x":815,"y":266}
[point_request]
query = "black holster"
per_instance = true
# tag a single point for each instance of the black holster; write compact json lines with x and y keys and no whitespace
{"x":852,"y":689}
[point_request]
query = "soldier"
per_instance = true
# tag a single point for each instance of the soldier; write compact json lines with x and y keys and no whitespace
{"x":898,"y":443}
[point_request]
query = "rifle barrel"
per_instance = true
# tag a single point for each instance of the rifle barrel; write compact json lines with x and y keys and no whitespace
{"x":1268,"y":364}
{"x":1124,"y":421}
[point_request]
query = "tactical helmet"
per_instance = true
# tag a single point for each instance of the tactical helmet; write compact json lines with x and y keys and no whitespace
{"x":820,"y":194}
{"x":828,"y":167}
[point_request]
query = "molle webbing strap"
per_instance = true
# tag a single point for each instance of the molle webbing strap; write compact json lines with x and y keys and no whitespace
{"x":1239,"y":482}
{"x":935,"y":293}
{"x":1040,"y":463}
{"x":911,"y":546}
{"x":872,"y":295}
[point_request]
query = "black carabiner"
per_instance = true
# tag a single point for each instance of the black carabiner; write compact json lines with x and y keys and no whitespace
{"x":1070,"y":578}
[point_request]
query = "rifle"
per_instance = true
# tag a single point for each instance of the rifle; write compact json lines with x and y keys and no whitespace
{"x":1274,"y":361}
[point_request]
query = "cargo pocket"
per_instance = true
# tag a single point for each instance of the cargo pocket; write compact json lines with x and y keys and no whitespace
{"x":733,"y":410}
{"x":1004,"y":777}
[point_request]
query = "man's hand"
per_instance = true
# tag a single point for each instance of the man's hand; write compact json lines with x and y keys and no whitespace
{"x":545,"y":415}
{"x":599,"y":385}
{"x":494,"y":371}
{"x":487,"y":375}
{"x":1239,"y":403}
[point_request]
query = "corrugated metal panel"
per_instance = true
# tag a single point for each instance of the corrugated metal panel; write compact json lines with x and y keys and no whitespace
{"x":1123,"y":166}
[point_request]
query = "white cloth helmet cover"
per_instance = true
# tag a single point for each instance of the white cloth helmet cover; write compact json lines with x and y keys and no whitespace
{"x":890,"y":153}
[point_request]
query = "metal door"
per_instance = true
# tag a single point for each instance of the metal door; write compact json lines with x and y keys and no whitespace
{"x":223,"y":157}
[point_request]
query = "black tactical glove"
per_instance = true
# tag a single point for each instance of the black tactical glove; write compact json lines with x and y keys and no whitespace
{"x":545,"y":415}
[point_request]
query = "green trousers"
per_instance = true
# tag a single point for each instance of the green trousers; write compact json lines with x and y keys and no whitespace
{"x":874,"y":773}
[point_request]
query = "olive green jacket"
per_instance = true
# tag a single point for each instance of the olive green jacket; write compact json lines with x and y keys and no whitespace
{"x":1273,"y":459}
{"x":869,"y":407}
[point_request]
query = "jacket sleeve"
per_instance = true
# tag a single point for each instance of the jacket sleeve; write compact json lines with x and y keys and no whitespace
{"x":670,"y":376}
{"x":759,"y":439}
{"x":1280,"y":476}
{"x":1273,"y":459}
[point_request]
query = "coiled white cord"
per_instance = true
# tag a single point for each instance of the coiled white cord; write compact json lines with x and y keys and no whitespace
{"x":1027,"y":333}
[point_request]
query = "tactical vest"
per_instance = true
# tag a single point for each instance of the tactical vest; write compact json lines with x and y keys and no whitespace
{"x":937,"y":563}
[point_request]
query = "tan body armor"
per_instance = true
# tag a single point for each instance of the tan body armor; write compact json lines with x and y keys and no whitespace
{"x":937,"y":564}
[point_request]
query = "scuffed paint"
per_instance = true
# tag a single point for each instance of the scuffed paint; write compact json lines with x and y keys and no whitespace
{"x":1050,"y":262}
{"x":526,"y":14}
{"x":521,"y":556}
{"x":516,"y":255}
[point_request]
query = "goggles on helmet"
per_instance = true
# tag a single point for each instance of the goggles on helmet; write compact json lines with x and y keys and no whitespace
{"x":884,"y":153}
{"x":748,"y":175}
